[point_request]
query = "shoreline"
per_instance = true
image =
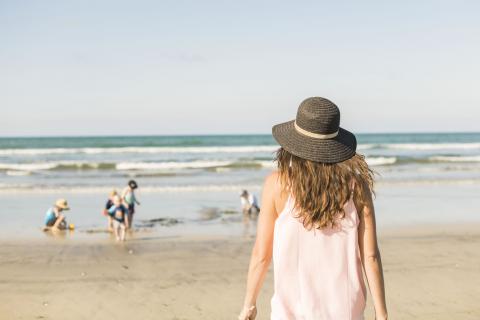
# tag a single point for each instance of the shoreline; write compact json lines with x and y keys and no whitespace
{"x":203,"y":213}
{"x":102,"y":236}
{"x":430,"y":273}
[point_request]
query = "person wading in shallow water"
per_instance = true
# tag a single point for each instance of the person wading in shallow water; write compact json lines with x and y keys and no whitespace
{"x":128,"y":197}
{"x":119,"y":214}
{"x":249,"y":204}
{"x":108,"y":205}
{"x":317,"y":223}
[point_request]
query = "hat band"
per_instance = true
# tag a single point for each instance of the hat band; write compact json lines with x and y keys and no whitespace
{"x":314,"y":135}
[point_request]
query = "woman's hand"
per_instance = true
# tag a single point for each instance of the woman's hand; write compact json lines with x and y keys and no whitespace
{"x":381,"y":316}
{"x":248,"y":313}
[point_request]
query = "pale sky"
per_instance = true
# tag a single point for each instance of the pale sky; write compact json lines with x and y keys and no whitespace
{"x":211,"y":67}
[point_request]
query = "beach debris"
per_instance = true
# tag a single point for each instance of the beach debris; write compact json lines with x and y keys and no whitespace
{"x":45,"y":304}
{"x":229,"y":211}
{"x":164,"y":222}
{"x":83,"y":274}
{"x":213,"y":213}
{"x":209,"y":213}
{"x":97,"y":231}
{"x":125,"y":267}
{"x":130,"y":251}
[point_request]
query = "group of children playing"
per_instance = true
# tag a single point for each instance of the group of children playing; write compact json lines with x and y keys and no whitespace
{"x":118,"y":209}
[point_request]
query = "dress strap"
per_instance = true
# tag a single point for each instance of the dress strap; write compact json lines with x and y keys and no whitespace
{"x":352,"y":188}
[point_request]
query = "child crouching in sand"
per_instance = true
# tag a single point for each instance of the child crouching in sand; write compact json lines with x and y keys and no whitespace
{"x":119,"y":213}
{"x":54,"y":217}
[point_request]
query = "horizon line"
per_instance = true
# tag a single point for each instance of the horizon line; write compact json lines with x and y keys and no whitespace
{"x":219,"y":135}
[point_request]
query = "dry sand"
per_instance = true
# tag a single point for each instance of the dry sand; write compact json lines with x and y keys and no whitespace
{"x":431,"y":273}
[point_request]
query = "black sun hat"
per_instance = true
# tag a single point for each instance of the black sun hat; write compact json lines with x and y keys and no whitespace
{"x":316,"y":134}
{"x":133,"y":184}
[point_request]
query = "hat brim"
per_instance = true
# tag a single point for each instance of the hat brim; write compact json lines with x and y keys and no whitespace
{"x":334,"y":150}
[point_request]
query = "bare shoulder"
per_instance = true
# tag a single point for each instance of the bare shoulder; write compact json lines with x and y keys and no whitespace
{"x":272,"y":184}
{"x":363,"y":199}
{"x":272,"y":178}
{"x":274,"y":191}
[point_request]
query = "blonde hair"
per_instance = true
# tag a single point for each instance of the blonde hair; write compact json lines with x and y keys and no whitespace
{"x":113,"y":193}
{"x":321,"y":190}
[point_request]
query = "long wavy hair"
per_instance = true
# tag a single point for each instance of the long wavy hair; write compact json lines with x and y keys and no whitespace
{"x":321,"y":190}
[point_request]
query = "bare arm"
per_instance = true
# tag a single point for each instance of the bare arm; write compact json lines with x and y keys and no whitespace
{"x":59,"y":220}
{"x":124,"y":194}
{"x":135,"y":199}
{"x":370,"y":255}
{"x":262,"y":250}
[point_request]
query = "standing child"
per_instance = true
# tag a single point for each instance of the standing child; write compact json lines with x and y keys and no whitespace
{"x":118,"y":212}
{"x":130,"y":200}
{"x":108,"y":205}
{"x":54,"y":218}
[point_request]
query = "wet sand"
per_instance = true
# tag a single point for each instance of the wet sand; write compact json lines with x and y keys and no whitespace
{"x":431,"y":273}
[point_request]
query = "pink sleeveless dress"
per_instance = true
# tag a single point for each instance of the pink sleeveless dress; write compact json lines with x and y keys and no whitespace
{"x":317,"y":273}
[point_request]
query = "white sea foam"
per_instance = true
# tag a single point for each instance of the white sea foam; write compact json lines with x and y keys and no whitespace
{"x":365,"y":146}
{"x":17,"y":173}
{"x":16,"y":168}
{"x":27,"y":166}
{"x":144,"y":150}
{"x":267,"y":164}
{"x":455,"y":158}
{"x":380,"y":161}
{"x":431,"y":146}
{"x":26,"y":188}
{"x":41,"y":166}
{"x":171,"y":165}
{"x":145,"y":189}
{"x":224,"y":149}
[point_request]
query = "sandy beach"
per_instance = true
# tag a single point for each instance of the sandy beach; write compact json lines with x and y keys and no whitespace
{"x":164,"y":120}
{"x":431,"y":273}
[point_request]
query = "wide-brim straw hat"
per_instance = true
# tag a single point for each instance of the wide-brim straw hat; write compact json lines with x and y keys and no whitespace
{"x":62,"y":204}
{"x":316,"y":134}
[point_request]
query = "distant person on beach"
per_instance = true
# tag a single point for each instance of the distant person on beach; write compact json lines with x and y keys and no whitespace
{"x":119,"y":214}
{"x":108,"y":205}
{"x":54,"y":217}
{"x":317,"y":223}
{"x":128,"y":196}
{"x":249,"y":204}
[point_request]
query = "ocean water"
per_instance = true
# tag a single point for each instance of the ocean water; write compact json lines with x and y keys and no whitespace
{"x":189,"y":177}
